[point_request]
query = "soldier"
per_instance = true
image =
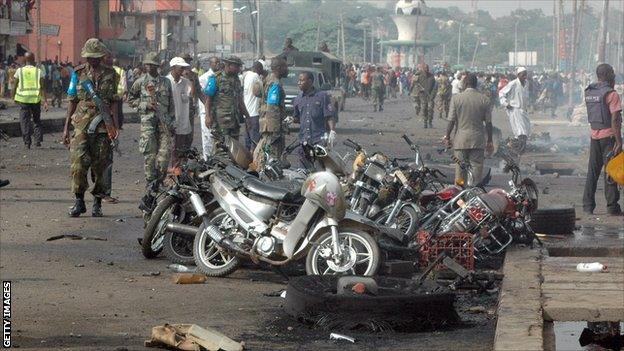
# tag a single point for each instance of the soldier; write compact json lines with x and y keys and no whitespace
{"x":224,"y":99}
{"x":378,"y":89}
{"x":443,"y":95}
{"x":91,"y":98}
{"x":424,"y":89}
{"x":151,"y":95}
{"x":272,"y":114}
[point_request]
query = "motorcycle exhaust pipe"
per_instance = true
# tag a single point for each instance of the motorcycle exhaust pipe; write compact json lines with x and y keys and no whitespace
{"x":181,"y":229}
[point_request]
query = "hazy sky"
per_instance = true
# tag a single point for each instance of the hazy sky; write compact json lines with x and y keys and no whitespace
{"x":504,"y":7}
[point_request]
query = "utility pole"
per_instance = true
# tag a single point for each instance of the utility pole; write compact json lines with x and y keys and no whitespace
{"x":372,"y":46}
{"x":180,"y":27}
{"x":96,"y":16}
{"x":221,"y":24}
{"x":39,"y":30}
{"x":258,"y":36}
{"x":318,"y":30}
{"x":195,"y":32}
{"x":554,"y":36}
{"x":604,"y":19}
{"x":459,"y":38}
{"x":338,"y":42}
{"x":364,"y":45}
{"x":342,"y":35}
{"x":559,"y":15}
{"x":515,"y":60}
{"x":474,"y":54}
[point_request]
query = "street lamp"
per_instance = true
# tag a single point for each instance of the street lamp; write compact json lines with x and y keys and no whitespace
{"x":59,"y":44}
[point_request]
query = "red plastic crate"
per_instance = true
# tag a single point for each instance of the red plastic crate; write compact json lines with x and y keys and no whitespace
{"x":458,"y":246}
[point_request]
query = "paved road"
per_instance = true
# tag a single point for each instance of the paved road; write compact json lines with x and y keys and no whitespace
{"x":93,"y":295}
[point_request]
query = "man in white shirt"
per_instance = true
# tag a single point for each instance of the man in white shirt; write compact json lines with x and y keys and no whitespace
{"x":456,"y":84}
{"x":181,"y":92}
{"x":206,"y":133}
{"x":514,"y":97}
{"x":252,"y":91}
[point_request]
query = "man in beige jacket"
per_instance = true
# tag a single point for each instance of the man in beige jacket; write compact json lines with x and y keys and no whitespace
{"x":470,"y":115}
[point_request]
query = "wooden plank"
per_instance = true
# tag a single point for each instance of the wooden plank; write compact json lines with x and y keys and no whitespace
{"x":519,"y":325}
{"x":583,"y":305}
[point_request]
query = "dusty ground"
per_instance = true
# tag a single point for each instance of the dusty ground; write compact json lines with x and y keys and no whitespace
{"x":93,"y":295}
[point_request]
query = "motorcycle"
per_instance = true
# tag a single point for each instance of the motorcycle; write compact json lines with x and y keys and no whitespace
{"x":495,"y":218}
{"x":281,"y":222}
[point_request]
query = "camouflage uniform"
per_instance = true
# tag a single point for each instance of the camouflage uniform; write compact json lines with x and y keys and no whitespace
{"x":416,"y":91}
{"x":156,"y":124}
{"x":443,"y":95}
{"x":423,"y":91}
{"x":378,"y":88}
{"x":91,"y":150}
{"x":271,"y":119}
{"x":225,"y":104}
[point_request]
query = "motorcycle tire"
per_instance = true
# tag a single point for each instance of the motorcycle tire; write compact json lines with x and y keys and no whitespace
{"x":408,"y":211}
{"x":203,"y":263}
{"x":362,"y":237}
{"x":178,"y":248}
{"x":150,"y":247}
{"x":556,"y":220}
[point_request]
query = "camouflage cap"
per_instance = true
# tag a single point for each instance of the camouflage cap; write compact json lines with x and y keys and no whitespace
{"x":151,"y":58}
{"x":233,"y":60}
{"x":94,"y":47}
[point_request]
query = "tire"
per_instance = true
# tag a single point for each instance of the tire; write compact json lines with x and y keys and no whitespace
{"x":407,"y":228}
{"x":178,"y":248}
{"x":153,"y":235}
{"x":557,"y":220}
{"x":221,"y":264}
{"x":364,"y":241}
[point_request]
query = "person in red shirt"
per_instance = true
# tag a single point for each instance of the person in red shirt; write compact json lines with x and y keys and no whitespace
{"x":604,"y":112}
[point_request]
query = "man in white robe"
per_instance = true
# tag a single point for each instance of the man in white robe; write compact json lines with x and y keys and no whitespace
{"x":514,"y":98}
{"x":206,"y":133}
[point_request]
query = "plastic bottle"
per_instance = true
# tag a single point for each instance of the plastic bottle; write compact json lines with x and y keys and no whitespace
{"x":591,"y":267}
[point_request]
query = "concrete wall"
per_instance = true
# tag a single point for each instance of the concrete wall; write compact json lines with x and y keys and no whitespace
{"x":207,"y":35}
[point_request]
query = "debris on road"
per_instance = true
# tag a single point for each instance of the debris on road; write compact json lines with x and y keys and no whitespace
{"x":336,"y":336}
{"x":75,"y":237}
{"x":189,"y":278}
{"x":279,"y":293}
{"x":179,"y":268}
{"x":79,"y":265}
{"x":151,"y":274}
{"x":191,"y":337}
{"x":591,"y":267}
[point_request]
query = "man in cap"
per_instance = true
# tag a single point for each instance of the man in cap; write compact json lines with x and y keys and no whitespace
{"x":378,"y":89}
{"x":272,"y":114}
{"x":514,"y":97}
{"x":206,"y":133}
{"x":91,"y":96}
{"x":151,"y":95}
{"x":182,"y":91}
{"x":192,"y":76}
{"x":224,"y":99}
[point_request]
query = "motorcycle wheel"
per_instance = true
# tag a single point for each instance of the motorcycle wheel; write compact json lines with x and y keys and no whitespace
{"x":363,"y":254}
{"x":178,"y":248}
{"x":154,"y":234}
{"x":209,"y":258}
{"x":406,"y":220}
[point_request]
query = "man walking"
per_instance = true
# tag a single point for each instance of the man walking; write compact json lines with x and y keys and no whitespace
{"x":424,"y":90}
{"x":252,"y":92}
{"x":28,"y":89}
{"x":443,"y":95}
{"x":378,"y":89}
{"x":604,"y":113}
{"x":151,"y":95}
{"x":224,"y":99}
{"x":314,"y":113}
{"x":91,"y":98}
{"x":272,"y":114}
{"x":514,"y":97}
{"x":206,"y":133}
{"x":181,"y":90}
{"x":469,"y":112}
{"x":192,"y":76}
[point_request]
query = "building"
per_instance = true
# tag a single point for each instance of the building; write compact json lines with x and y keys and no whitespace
{"x":15,"y":21}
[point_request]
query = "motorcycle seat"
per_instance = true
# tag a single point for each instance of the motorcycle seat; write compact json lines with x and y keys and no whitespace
{"x":278,"y":191}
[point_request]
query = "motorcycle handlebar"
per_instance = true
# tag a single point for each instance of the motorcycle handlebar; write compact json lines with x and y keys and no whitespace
{"x":352,"y":144}
{"x":407,"y":140}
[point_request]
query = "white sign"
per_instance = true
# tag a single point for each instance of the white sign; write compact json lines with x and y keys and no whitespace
{"x":51,"y":30}
{"x":523,"y":58}
{"x":223,"y":48}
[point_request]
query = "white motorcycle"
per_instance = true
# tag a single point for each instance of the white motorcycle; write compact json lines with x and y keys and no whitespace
{"x":281,"y":222}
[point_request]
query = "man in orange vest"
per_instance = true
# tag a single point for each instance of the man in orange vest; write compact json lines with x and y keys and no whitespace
{"x":28,"y":89}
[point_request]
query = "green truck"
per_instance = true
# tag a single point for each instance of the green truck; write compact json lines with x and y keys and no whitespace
{"x":326,"y":69}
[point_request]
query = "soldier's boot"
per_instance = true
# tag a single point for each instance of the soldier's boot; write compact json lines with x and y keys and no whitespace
{"x":375,"y":108}
{"x":96,"y":210}
{"x":78,"y":208}
{"x":380,"y":108}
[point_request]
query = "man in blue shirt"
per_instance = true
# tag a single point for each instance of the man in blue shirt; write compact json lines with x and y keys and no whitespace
{"x":315,"y":114}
